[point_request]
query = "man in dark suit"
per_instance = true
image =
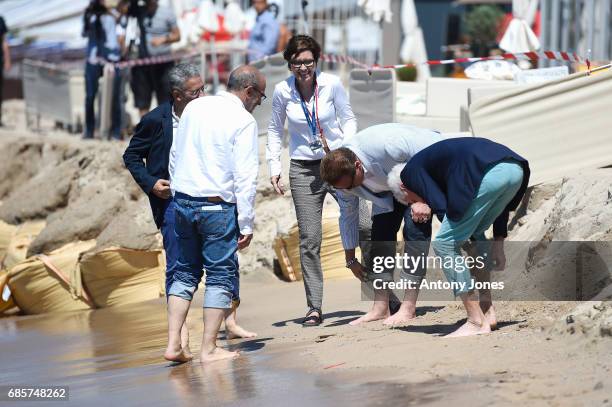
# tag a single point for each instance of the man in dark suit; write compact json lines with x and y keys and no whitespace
{"x":147,"y":159}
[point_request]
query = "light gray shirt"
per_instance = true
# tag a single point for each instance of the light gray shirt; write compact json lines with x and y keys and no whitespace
{"x":379,"y":148}
{"x":162,"y":23}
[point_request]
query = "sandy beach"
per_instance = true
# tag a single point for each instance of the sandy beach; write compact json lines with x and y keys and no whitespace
{"x":544,"y":352}
{"x":113,"y":356}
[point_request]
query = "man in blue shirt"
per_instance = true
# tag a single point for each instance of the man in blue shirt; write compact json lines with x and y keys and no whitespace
{"x":265,"y":32}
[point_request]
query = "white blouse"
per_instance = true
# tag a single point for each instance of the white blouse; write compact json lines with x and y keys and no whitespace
{"x":335,"y":116}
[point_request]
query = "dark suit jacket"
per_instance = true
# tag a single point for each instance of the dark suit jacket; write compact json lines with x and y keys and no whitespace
{"x":148,"y":153}
{"x":447,"y":175}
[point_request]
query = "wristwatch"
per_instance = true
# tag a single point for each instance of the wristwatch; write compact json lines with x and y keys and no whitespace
{"x":351,"y":262}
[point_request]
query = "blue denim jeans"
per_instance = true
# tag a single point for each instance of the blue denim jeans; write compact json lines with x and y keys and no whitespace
{"x":170,"y":243}
{"x":207,"y":238}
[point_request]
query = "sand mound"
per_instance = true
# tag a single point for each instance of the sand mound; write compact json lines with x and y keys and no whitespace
{"x":565,"y":228}
{"x":81,"y":188}
{"x":84,"y":192}
{"x":592,"y":319}
{"x":578,"y":208}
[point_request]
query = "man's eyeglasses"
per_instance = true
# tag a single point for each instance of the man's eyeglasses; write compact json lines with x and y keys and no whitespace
{"x":197,"y":92}
{"x":261,"y":94}
{"x":297,"y":64}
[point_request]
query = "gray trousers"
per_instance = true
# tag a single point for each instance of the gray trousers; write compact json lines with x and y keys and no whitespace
{"x":308,"y":191}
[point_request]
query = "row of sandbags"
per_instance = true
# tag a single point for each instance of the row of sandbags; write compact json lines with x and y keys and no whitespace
{"x":76,"y":276}
{"x":15,"y":241}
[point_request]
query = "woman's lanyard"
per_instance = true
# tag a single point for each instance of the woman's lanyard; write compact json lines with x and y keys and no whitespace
{"x":313,"y":120}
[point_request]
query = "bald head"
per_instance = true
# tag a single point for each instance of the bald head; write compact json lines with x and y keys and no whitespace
{"x":243,"y":77}
{"x":249,"y":85}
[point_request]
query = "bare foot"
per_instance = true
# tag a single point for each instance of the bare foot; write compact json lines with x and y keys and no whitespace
{"x":179,"y":356}
{"x":187,"y":351}
{"x":237,"y":331}
{"x":470,"y":328}
{"x":369,"y":317}
{"x":490,"y":317}
{"x":217,"y":354}
{"x":401,"y":317}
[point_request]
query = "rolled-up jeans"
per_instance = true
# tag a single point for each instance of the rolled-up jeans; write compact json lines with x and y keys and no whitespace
{"x":497,"y":188}
{"x":207,"y":238}
{"x":171,"y":250}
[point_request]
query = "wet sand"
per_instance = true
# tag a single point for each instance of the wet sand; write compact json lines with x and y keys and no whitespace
{"x":113,"y":356}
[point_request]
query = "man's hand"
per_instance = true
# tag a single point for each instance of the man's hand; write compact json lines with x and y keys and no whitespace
{"x":499,"y":257}
{"x":277,"y":184}
{"x":157,"y":41}
{"x":244,"y":241}
{"x":161,"y":189}
{"x":7,"y":66}
{"x":358,"y":271}
{"x":421,"y":212}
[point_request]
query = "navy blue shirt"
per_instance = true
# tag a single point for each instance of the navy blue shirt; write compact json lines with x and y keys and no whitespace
{"x":447,"y":175}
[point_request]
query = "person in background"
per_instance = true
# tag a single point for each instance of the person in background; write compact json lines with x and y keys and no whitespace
{"x":155,"y":28}
{"x":265,"y":33}
{"x":284,"y":34}
{"x":5,"y":61}
{"x":319,"y":117}
{"x":99,"y":26}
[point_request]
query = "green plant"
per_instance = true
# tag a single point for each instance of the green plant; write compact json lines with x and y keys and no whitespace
{"x":482,"y":23}
{"x":406,"y":73}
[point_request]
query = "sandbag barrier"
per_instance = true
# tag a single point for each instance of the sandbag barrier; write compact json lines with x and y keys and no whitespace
{"x":72,"y":278}
{"x":287,"y":249}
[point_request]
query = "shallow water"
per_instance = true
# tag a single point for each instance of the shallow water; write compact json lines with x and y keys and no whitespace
{"x":113,"y":357}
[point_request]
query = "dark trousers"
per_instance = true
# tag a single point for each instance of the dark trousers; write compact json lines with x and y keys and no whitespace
{"x":149,"y":79}
{"x":417,"y":237}
{"x":93,"y":72}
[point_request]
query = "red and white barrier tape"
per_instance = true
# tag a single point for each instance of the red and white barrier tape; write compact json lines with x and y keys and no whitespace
{"x":344,"y":59}
{"x":526,"y":56}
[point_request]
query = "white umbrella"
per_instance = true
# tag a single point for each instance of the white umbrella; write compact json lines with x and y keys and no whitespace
{"x":234,"y":18}
{"x":377,"y":9}
{"x":234,"y":23}
{"x":413,"y":45}
{"x":519,"y":37}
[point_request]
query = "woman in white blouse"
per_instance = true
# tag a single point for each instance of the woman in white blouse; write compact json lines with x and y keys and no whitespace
{"x":319,"y":118}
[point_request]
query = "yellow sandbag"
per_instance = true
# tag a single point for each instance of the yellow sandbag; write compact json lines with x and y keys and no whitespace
{"x":23,"y":236}
{"x":6,"y":302}
{"x":6,"y":235}
{"x":42,"y":284}
{"x":287,"y":249}
{"x":117,"y":276}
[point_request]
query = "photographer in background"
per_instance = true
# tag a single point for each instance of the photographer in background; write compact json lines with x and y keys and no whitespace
{"x":99,"y":27}
{"x":150,"y":29}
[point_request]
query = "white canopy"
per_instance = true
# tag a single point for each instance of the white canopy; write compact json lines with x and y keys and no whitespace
{"x":413,"y":44}
{"x":519,"y":36}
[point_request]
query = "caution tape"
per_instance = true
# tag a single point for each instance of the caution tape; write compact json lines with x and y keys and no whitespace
{"x":517,"y":56}
{"x":344,"y":59}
